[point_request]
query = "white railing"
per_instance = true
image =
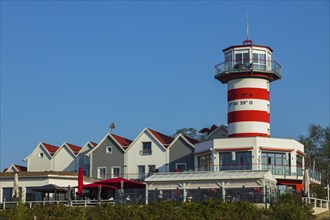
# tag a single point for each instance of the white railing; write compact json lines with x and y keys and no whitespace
{"x":74,"y":203}
{"x":319,"y":205}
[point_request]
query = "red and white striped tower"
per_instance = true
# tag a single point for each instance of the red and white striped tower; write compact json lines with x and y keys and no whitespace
{"x":248,"y":70}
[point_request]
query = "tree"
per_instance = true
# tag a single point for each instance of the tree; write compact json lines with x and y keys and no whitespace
{"x":192,"y":133}
{"x":317,"y":148}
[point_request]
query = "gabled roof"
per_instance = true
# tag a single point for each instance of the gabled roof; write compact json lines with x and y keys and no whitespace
{"x":93,"y":143}
{"x":216,"y":129}
{"x":20,"y":168}
{"x":190,"y":141}
{"x":50,"y":148}
{"x":162,"y":138}
{"x":87,"y":147}
{"x":16,"y":168}
{"x":122,"y":142}
{"x":75,"y":149}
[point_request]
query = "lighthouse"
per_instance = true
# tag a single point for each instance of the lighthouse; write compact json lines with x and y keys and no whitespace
{"x":248,"y":70}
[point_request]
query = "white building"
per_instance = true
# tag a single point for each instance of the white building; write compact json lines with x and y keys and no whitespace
{"x":41,"y":157}
{"x":147,"y":153}
{"x":29,"y":180}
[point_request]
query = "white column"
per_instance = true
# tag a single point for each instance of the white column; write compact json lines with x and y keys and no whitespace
{"x":223,"y":193}
{"x":1,"y":192}
{"x":147,"y":195}
{"x":184,"y":194}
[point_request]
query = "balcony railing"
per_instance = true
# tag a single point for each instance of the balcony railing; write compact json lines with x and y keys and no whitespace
{"x":314,"y":175}
{"x":234,"y":66}
{"x":146,"y":152}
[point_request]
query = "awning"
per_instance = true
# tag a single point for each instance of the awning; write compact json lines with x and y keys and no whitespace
{"x":212,"y":179}
{"x":50,"y":188}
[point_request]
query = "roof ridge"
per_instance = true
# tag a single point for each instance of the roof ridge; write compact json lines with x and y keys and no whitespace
{"x":162,"y":138}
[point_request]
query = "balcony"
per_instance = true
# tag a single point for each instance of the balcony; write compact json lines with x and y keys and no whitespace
{"x":255,"y":68}
{"x":315,"y":176}
{"x":146,"y":152}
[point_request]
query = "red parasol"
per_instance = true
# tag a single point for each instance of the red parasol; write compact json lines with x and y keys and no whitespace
{"x":80,"y":181}
{"x":116,"y":182}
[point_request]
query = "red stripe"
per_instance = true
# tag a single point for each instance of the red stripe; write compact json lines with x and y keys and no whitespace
{"x":248,"y":93}
{"x":234,"y":149}
{"x":277,"y":149}
{"x":301,"y":153}
{"x":249,"y":135}
{"x":248,"y":115}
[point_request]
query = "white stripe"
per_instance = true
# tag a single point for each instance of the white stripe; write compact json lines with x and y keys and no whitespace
{"x":248,"y":83}
{"x":248,"y":127}
{"x":248,"y":104}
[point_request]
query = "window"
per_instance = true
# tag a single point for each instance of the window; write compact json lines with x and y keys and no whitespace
{"x":41,"y":155}
{"x":241,"y":161}
{"x":229,"y":61}
{"x":101,"y":173}
{"x":242,"y":59}
{"x":152,"y":169}
{"x":115,"y":172}
{"x":146,"y":148}
{"x":259,"y":60}
{"x":141,"y":172}
{"x":180,"y":167}
{"x":204,"y":163}
{"x":108,"y":150}
{"x":278,"y":163}
{"x":299,"y":165}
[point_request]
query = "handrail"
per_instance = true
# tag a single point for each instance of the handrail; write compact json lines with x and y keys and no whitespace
{"x":231,"y":66}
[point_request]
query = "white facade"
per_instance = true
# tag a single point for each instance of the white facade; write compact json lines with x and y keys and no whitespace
{"x":258,"y":146}
{"x":135,"y":157}
{"x":39,"y":160}
{"x":36,"y":179}
{"x":65,"y":160}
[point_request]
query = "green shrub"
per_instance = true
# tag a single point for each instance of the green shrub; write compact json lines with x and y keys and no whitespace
{"x":291,"y":207}
{"x":209,"y":209}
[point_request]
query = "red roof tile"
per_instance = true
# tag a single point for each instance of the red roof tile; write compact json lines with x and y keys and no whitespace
{"x":20,"y":168}
{"x":124,"y":142}
{"x":50,"y":148}
{"x":162,"y":138}
{"x":74,"y":148}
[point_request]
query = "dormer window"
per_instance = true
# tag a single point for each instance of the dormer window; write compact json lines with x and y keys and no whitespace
{"x":109,"y":150}
{"x":41,"y":155}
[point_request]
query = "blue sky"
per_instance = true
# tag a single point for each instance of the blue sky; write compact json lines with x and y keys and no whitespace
{"x":70,"y":68}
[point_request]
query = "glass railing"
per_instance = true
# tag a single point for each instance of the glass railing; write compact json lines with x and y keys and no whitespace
{"x":313,"y":174}
{"x":231,"y":66}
